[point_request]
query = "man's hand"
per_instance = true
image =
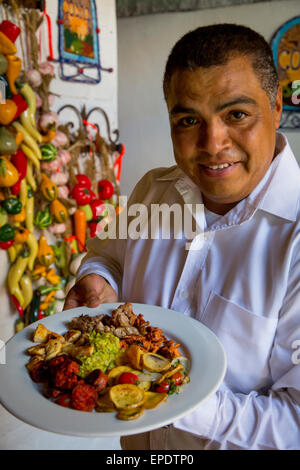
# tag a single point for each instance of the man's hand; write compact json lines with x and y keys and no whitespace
{"x":91,"y":291}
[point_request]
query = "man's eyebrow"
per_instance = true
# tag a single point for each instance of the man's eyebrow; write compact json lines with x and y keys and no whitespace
{"x":235,"y":101}
{"x":177,"y":109}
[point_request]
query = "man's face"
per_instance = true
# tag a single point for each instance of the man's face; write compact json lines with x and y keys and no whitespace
{"x":223,"y":130}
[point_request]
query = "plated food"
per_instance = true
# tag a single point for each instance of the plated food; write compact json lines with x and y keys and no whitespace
{"x":108,"y":363}
{"x":21,"y":396}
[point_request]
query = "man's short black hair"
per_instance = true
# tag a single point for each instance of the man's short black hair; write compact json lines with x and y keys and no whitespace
{"x":215,"y":45}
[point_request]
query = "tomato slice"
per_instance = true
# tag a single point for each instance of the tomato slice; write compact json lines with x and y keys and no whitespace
{"x":163,"y":387}
{"x":177,"y":378}
{"x":128,"y":378}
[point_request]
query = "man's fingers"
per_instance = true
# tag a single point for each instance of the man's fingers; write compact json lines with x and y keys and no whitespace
{"x":73,"y":299}
{"x":93,"y":302}
{"x":71,"y":302}
{"x":91,"y":291}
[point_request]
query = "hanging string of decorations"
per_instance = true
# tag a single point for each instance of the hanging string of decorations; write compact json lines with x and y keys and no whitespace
{"x":56,"y":182}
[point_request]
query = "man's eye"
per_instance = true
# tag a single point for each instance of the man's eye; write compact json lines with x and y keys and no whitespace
{"x":187,"y":121}
{"x":237,"y":115}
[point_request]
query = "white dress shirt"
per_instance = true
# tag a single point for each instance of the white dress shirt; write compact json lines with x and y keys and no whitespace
{"x":243,"y":283}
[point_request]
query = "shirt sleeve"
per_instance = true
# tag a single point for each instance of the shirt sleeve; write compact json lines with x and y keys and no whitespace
{"x":235,"y":421}
{"x":261,"y":420}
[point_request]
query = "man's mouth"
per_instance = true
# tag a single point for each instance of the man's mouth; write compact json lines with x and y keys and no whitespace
{"x":220,"y":166}
{"x":218,"y":169}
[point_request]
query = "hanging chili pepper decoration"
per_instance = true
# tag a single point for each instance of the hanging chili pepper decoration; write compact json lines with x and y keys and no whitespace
{"x":49,"y":27}
{"x":20,"y":322}
{"x":17,"y":305}
{"x":35,"y":307}
{"x":19,"y":160}
{"x":118,"y":163}
{"x":21,"y":105}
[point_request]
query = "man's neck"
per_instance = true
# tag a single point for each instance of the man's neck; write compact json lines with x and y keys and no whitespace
{"x":217,"y":208}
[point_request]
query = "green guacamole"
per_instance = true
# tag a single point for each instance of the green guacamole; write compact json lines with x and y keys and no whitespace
{"x":106,"y":348}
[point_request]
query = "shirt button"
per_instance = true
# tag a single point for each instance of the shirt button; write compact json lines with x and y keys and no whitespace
{"x":184,"y":294}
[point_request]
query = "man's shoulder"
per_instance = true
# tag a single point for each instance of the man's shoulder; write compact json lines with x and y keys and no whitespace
{"x":169,"y":173}
{"x":154,"y":182}
{"x":156,"y":176}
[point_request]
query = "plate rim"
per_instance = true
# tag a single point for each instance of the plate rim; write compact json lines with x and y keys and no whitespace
{"x":134,"y":427}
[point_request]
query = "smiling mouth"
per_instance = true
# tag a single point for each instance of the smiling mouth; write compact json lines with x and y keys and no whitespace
{"x":220,"y":170}
{"x":220,"y":166}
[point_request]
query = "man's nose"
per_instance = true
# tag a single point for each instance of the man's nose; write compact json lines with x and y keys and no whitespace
{"x":213,"y":137}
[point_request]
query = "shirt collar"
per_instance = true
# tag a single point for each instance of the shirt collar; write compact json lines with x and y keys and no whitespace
{"x":280,"y":188}
{"x":277,"y":193}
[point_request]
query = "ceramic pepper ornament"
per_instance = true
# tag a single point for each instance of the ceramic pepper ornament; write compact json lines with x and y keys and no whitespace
{"x":11,"y":69}
{"x":9,"y":32}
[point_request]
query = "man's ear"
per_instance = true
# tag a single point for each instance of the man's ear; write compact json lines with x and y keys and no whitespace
{"x":278,"y":107}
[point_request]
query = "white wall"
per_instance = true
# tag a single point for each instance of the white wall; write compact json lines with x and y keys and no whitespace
{"x":143,"y":46}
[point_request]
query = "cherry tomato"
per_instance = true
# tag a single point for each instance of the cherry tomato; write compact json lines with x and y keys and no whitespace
{"x":177,"y":378}
{"x":128,"y":378}
{"x":163,"y":387}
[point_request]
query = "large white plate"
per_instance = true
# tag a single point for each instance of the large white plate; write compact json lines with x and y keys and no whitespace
{"x":23,"y":398}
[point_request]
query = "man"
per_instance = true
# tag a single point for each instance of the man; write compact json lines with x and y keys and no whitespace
{"x":224,"y":103}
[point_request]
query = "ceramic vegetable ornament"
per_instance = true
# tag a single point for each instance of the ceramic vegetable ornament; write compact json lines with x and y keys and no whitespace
{"x":8,"y":35}
{"x":8,"y":144}
{"x":49,"y":152}
{"x":8,"y":172}
{"x":48,"y":188}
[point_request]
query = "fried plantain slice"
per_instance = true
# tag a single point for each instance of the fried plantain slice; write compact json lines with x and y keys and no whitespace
{"x":169,"y":373}
{"x":134,"y":354}
{"x":144,"y":385}
{"x":131,"y":414}
{"x":153,"y":399}
{"x":122,"y":359}
{"x":104,"y":403}
{"x":41,"y":334}
{"x":126,"y":396}
{"x":39,"y":350}
{"x":155,"y":362}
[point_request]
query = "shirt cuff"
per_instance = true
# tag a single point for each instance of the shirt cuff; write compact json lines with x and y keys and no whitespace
{"x":201,"y":420}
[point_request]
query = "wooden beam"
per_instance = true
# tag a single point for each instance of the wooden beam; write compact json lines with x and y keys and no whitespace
{"x":127,"y":8}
